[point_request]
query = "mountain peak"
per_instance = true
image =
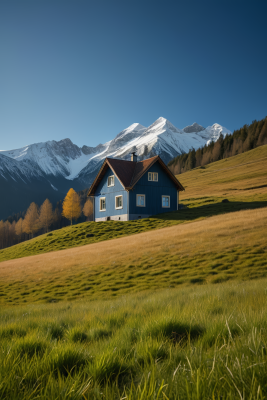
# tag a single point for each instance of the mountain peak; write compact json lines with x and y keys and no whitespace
{"x":195,"y":127}
{"x":65,"y":141}
{"x":135,"y":127}
{"x":131,"y":132}
{"x":161,"y":119}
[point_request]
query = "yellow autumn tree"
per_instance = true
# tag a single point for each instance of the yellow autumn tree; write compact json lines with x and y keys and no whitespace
{"x":31,"y":220}
{"x":46,"y":215}
{"x":19,"y":228}
{"x":88,"y":209}
{"x":71,"y":205}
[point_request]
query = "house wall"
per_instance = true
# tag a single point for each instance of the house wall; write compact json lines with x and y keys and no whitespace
{"x":153,"y":192}
{"x":110,"y":192}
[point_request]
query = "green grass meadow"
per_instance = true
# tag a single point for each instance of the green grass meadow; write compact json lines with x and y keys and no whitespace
{"x":182,"y":321}
{"x":204,"y":342}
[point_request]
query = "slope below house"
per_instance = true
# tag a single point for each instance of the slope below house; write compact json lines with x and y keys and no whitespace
{"x":202,"y":199}
{"x":225,"y":247}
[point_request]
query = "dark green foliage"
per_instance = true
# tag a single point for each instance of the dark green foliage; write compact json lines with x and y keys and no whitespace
{"x":109,"y":368}
{"x":30,"y":346}
{"x":10,"y":331}
{"x":174,"y":330}
{"x":66,"y":360}
{"x":242,"y":140}
{"x":55,"y":330}
{"x":77,"y":335}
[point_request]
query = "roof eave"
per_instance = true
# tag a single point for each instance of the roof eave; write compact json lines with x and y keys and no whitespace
{"x":94,"y":184}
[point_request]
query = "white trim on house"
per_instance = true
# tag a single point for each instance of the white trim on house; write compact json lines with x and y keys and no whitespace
{"x":169,"y":201}
{"x":111,"y":182}
{"x":153,"y":177}
{"x":118,"y":208}
{"x":121,"y":217}
{"x":100,"y":204}
{"x":140,"y":195}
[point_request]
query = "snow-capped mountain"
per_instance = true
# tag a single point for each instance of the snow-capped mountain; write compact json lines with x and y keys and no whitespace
{"x":49,"y":169}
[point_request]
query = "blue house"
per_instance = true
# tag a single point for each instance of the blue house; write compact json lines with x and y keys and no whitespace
{"x":127,"y":190}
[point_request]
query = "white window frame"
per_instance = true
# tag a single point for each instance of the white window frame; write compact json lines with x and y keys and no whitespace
{"x":101,"y":198}
{"x":138,"y":195}
{"x":118,"y":208}
{"x":111,"y":176}
{"x":162,"y":201}
{"x":154,"y":176}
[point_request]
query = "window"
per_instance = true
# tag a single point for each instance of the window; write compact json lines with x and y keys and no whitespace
{"x":140,"y":200}
{"x":166,"y":201}
{"x":111,"y":180}
{"x":102,"y":204}
{"x":153,"y":176}
{"x":118,"y":202}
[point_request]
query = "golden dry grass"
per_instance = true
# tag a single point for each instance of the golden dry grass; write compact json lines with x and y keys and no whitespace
{"x":244,"y":175}
{"x":211,"y":249}
{"x":216,"y":234}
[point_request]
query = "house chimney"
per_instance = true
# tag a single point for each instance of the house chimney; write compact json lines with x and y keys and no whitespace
{"x":133,"y":156}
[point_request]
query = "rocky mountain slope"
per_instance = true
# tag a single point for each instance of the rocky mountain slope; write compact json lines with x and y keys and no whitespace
{"x":47,"y":170}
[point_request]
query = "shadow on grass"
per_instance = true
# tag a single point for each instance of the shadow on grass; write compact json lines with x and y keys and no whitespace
{"x":209,"y":210}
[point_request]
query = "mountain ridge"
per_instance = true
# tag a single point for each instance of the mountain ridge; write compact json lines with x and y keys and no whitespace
{"x":55,"y":166}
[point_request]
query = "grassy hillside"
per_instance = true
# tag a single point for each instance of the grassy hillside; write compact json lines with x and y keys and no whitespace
{"x":241,"y":179}
{"x":190,"y":319}
{"x":216,"y":249}
{"x":205,"y":342}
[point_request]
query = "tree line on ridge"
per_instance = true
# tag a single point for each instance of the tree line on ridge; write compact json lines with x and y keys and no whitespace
{"x":240,"y":141}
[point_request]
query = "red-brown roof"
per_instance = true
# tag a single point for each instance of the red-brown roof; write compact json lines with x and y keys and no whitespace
{"x":123,"y":169}
{"x":129,"y":172}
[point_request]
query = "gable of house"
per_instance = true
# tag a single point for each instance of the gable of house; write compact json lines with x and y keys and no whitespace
{"x":109,"y":194}
{"x":153,"y":192}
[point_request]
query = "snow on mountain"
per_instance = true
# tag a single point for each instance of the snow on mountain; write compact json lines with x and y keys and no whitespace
{"x":52,"y":157}
{"x":65,"y":159}
{"x":47,"y":170}
{"x":18,"y":171}
{"x":214,"y":131}
{"x":164,"y":139}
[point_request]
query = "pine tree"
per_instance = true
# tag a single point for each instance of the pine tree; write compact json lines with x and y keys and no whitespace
{"x":88,"y":209}
{"x":46,"y":215}
{"x":31,"y":220}
{"x":19,"y":228}
{"x":71,"y":206}
{"x":262,"y":139}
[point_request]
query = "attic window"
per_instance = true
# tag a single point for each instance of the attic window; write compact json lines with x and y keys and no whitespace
{"x":153,"y":176}
{"x":102,"y":204}
{"x":111,"y":180}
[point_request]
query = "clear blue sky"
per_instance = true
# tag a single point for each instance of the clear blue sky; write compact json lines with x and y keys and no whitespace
{"x":88,"y":69}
